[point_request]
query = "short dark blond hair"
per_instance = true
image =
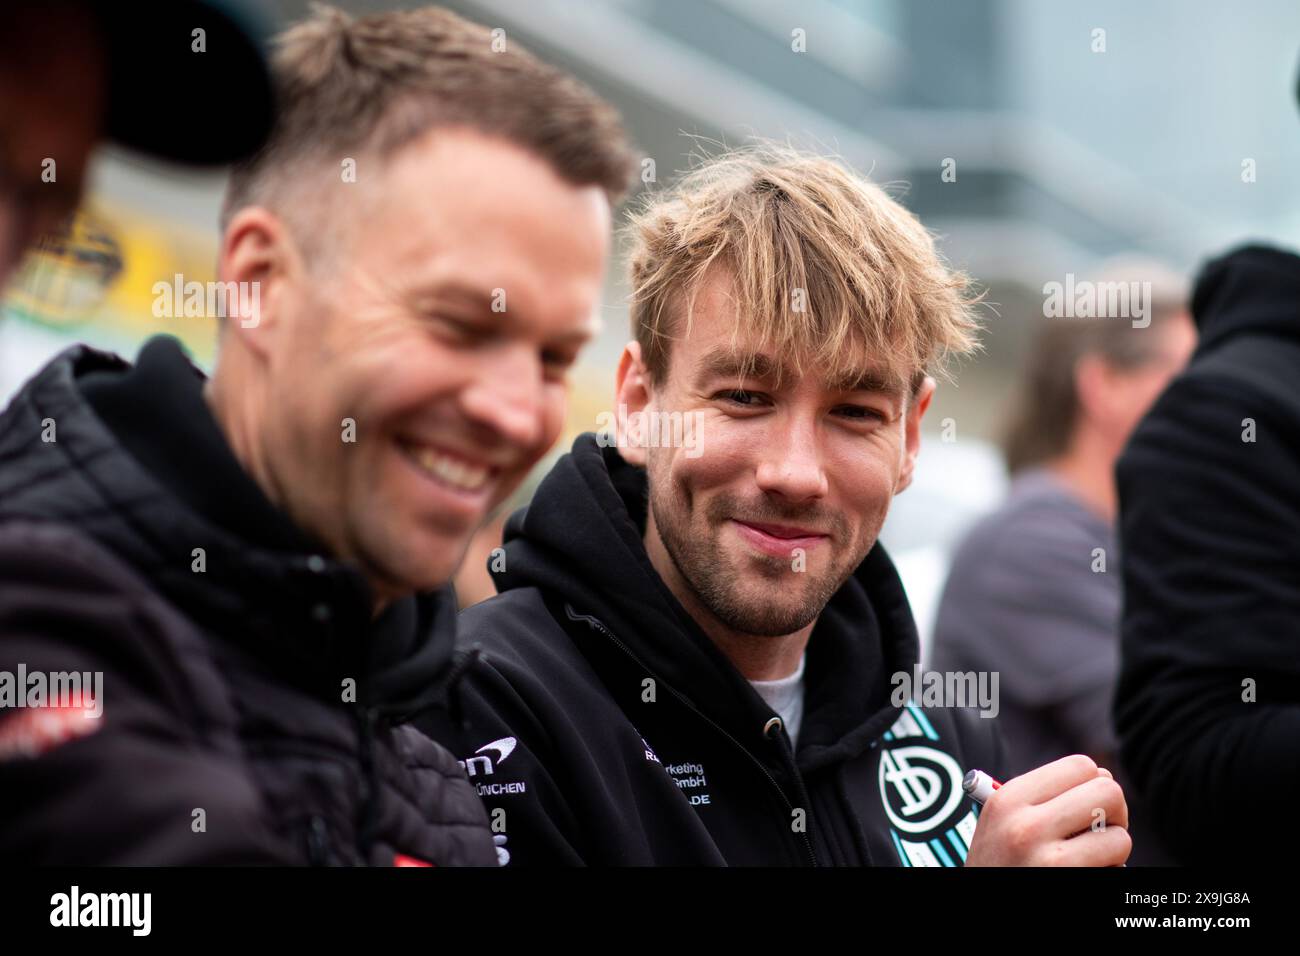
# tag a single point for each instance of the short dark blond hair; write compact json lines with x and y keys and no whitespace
{"x":370,"y":85}
{"x":824,"y":265}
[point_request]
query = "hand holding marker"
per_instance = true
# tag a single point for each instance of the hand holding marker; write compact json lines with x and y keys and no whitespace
{"x":979,"y":786}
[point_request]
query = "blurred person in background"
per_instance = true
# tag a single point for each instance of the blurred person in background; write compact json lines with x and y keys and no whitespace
{"x":1208,"y":704}
{"x":255,"y":565}
{"x":1034,"y":588}
{"x":73,"y":72}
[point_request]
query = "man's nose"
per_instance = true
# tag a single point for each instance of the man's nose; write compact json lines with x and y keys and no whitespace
{"x":790,"y":463}
{"x":506,"y":397}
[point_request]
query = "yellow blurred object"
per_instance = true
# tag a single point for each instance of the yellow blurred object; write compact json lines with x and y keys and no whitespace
{"x":65,"y":275}
{"x":95,"y":280}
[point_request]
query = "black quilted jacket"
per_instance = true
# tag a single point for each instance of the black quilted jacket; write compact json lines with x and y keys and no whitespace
{"x":252,"y":710}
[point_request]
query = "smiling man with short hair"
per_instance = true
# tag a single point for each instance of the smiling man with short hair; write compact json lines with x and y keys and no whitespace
{"x":691,"y":659}
{"x":257,"y":562}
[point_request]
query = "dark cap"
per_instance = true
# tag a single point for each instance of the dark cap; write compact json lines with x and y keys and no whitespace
{"x":203,"y":98}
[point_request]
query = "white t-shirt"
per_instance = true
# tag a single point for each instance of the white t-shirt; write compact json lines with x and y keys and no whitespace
{"x":785,"y":696}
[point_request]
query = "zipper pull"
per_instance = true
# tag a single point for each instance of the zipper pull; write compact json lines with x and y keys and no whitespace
{"x":317,"y":842}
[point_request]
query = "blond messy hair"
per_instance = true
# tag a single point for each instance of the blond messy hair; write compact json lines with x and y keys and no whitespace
{"x":794,"y":229}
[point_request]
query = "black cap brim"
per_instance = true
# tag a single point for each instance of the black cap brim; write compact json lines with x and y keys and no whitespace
{"x":176,"y":102}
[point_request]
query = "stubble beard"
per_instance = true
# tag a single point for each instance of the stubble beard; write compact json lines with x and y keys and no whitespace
{"x":726,"y":591}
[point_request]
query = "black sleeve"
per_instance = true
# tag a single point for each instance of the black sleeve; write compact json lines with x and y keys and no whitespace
{"x":123,"y":787}
{"x":1208,"y":704}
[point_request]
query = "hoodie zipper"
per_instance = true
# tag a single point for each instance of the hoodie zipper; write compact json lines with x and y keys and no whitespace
{"x":788,"y":752}
{"x":599,"y":625}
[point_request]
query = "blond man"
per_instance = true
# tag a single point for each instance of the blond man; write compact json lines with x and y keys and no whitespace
{"x":700,"y":653}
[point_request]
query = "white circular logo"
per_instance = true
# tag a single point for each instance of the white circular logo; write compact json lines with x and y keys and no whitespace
{"x":919,"y":787}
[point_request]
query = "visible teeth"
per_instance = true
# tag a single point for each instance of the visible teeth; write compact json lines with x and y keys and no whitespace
{"x":458,"y":474}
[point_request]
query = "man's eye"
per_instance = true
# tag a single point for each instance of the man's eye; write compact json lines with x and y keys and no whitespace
{"x":861,"y":413}
{"x":738,"y":396}
{"x":461,"y":329}
{"x":557,"y":362}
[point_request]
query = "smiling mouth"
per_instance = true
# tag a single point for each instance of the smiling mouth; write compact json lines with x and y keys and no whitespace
{"x":448,"y":469}
{"x":784,"y":532}
{"x":778,"y":539}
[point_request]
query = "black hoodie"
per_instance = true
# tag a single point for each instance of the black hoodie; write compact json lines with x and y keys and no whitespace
{"x":243,"y":675}
{"x":604,"y":727}
{"x":1208,"y":703}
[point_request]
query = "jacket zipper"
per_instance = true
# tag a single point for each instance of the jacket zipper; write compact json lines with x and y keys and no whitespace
{"x":365,"y":718}
{"x":318,"y":853}
{"x":812,"y":855}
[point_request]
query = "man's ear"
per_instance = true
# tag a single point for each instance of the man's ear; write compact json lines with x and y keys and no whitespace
{"x":258,"y":253}
{"x":633,"y":394}
{"x":916,"y":410}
